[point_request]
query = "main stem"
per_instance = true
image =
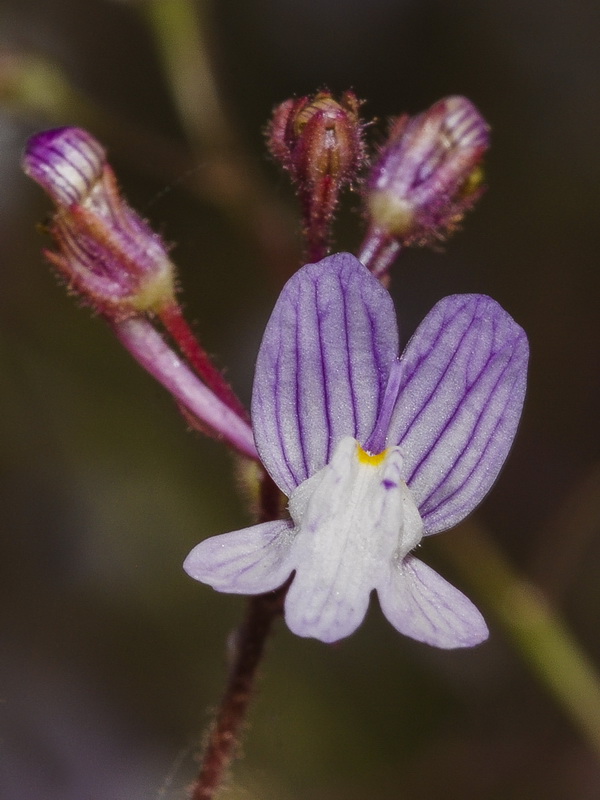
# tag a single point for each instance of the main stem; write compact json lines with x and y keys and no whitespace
{"x":225,"y":730}
{"x":250,"y":640}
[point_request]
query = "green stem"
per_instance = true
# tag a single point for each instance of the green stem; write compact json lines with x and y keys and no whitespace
{"x":180,"y":36}
{"x":535,"y":628}
{"x":230,"y":179}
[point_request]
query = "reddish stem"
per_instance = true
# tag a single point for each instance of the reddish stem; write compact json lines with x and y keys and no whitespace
{"x":224,"y":734}
{"x":318,"y":208}
{"x":250,"y":642}
{"x":179,"y":330}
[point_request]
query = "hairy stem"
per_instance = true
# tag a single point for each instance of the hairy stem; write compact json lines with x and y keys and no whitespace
{"x":225,"y":731}
{"x":249,"y":645}
{"x":378,"y":252}
{"x":179,"y":330}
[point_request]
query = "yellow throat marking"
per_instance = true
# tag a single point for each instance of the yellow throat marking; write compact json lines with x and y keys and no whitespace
{"x":368,"y":458}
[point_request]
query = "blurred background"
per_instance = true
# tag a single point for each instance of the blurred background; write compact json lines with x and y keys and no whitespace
{"x":111,"y":658}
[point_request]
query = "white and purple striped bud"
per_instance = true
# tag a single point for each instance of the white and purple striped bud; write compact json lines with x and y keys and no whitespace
{"x":106,"y":252}
{"x":428,"y":173}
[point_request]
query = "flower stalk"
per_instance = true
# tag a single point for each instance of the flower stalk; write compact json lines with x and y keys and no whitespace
{"x":214,"y":416}
{"x":177,"y":327}
{"x":111,"y":258}
{"x":223,"y":735}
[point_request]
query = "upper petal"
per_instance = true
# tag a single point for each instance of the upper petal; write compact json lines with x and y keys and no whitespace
{"x":460,"y":398}
{"x":249,"y":561}
{"x":322,"y":367}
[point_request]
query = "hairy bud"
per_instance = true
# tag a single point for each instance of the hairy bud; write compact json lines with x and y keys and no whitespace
{"x":106,"y":252}
{"x":319,"y":141}
{"x":428,"y":174}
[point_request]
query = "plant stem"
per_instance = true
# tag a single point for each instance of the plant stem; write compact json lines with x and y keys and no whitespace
{"x":229,"y":177}
{"x":250,"y":640}
{"x":378,"y":252}
{"x":224,"y":733}
{"x":179,"y":330}
{"x":148,"y":347}
{"x":180,"y":33}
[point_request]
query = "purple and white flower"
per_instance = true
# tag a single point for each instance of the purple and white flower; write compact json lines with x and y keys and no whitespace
{"x":373,"y":450}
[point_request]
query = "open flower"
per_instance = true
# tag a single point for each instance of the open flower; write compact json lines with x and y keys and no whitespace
{"x":373,"y":451}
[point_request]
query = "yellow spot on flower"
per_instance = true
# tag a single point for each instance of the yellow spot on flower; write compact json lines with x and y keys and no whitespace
{"x":473,"y":182}
{"x":369,"y":458}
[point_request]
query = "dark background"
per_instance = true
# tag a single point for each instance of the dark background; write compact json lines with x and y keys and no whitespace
{"x":111,"y":657}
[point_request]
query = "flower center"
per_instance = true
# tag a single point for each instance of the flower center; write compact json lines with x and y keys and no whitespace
{"x":359,"y":507}
{"x":369,"y":458}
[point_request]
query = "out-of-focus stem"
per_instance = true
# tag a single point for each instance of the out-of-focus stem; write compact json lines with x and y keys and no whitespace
{"x":180,"y":35}
{"x":568,"y":535}
{"x":32,"y":85}
{"x":534,"y":627}
{"x":151,"y":351}
{"x":230,"y":180}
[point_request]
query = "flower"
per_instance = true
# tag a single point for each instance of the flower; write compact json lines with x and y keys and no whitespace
{"x":107,"y":253}
{"x":373,"y":451}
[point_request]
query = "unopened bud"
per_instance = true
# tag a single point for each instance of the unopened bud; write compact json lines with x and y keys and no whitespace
{"x":428,"y":173}
{"x":107,"y":253}
{"x":319,"y":141}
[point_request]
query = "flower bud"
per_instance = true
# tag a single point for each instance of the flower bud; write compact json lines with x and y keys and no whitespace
{"x":428,"y":173}
{"x":319,"y":141}
{"x":107,"y":253}
{"x":318,"y":137}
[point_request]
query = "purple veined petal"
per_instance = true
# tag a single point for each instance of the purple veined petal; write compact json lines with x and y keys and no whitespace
{"x":322,"y":367}
{"x":459,"y":403}
{"x":249,"y":561}
{"x":419,"y":603}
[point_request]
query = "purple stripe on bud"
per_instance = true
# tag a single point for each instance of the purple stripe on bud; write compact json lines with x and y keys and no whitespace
{"x":66,"y":162}
{"x":425,"y":179}
{"x":107,"y":254}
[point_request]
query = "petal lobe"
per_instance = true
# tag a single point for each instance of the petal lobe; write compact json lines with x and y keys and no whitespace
{"x":322,"y":367}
